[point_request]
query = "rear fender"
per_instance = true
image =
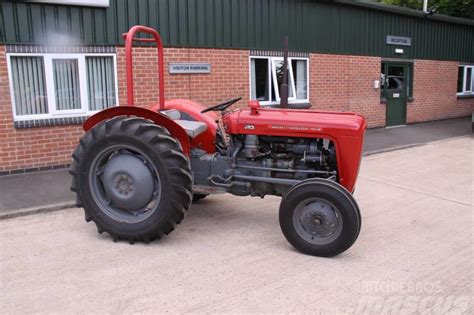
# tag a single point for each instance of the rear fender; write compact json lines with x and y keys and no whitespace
{"x":174,"y":129}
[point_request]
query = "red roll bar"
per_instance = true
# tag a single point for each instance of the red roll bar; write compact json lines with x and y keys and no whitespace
{"x":129,"y":38}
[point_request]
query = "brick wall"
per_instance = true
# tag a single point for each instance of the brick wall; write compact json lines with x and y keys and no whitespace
{"x":228,"y":78}
{"x":434,"y":92}
{"x":345,"y":83}
{"x":337,"y":82}
{"x":36,"y":148}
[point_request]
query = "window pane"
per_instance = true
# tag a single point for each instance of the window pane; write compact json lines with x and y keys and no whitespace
{"x":395,"y":71}
{"x":468,"y":79}
{"x":29,"y":86}
{"x":472,"y":79}
{"x":259,"y":80}
{"x":273,"y":90}
{"x":395,"y":83}
{"x":395,"y":77}
{"x":279,"y":77}
{"x":460,"y":79}
{"x":100,"y":82}
{"x":66,"y":84}
{"x":300,"y":75}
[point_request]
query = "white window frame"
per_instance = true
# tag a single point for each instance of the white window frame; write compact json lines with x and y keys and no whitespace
{"x":291,"y":80}
{"x":465,"y":91}
{"x":271,"y":63}
{"x":48,"y":58}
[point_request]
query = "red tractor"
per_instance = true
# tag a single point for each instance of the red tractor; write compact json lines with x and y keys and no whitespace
{"x":136,"y":171}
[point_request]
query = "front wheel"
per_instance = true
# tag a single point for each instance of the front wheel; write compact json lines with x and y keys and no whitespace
{"x":320,"y":218}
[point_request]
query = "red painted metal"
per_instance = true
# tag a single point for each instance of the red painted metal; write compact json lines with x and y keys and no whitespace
{"x":204,"y":141}
{"x":254,"y":106}
{"x":345,"y":130}
{"x":176,"y":130}
{"x":129,"y":39}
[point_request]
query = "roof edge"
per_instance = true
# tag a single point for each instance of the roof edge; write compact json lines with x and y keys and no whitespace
{"x":405,"y":11}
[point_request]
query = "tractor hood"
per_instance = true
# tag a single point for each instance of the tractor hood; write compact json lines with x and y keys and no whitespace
{"x":345,"y":130}
{"x":295,"y":123}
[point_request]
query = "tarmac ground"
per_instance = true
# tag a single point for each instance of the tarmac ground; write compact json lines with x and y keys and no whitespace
{"x":388,"y":139}
{"x":414,"y":253}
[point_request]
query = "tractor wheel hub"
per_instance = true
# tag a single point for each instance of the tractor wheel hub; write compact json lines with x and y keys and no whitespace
{"x":128,"y":182}
{"x":123,"y":184}
{"x":318,"y":219}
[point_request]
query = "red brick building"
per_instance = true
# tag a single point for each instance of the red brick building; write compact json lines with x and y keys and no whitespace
{"x":59,"y":64}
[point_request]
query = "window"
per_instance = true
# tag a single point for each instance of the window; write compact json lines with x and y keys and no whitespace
{"x":66,"y":84}
{"x":101,"y":83}
{"x":29,"y":84}
{"x":395,"y":80}
{"x":266,"y":77}
{"x":465,"y":80}
{"x":61,"y":85}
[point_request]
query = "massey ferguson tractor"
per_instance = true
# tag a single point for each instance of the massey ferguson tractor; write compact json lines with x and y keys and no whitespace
{"x":136,"y":171}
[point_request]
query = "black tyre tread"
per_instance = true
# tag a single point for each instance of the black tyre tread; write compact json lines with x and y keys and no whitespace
{"x":164,"y":145}
{"x":129,"y":124}
{"x":348,"y":197}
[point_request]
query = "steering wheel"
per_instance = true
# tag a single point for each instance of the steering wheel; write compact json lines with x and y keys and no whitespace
{"x":223,"y":106}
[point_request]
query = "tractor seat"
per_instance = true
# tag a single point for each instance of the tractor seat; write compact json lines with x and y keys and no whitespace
{"x":192,"y":128}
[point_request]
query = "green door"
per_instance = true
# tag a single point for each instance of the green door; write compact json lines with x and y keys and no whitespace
{"x":396,"y":91}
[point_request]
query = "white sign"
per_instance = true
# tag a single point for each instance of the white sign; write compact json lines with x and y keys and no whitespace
{"x":398,"y":40}
{"x":176,"y":68}
{"x":376,"y":84}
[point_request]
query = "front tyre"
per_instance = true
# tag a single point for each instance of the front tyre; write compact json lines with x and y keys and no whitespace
{"x":320,"y":218}
{"x":132,"y":179}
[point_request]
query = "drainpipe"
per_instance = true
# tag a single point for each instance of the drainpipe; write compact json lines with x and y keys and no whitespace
{"x":425,"y":6}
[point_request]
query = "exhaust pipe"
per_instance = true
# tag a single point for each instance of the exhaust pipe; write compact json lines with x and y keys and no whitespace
{"x":284,"y":84}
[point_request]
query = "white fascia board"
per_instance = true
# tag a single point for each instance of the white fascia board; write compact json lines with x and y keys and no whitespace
{"x":85,"y":3}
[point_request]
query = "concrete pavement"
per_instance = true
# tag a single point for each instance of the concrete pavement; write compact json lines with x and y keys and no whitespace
{"x":414,"y":253}
{"x":49,"y":190}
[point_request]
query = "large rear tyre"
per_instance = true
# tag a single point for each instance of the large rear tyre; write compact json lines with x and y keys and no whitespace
{"x":320,"y":218}
{"x":132,"y":179}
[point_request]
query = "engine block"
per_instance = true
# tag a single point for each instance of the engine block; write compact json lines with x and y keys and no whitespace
{"x":260,"y":165}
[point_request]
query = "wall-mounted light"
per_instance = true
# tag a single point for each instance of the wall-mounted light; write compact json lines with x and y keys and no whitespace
{"x":430,"y":11}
